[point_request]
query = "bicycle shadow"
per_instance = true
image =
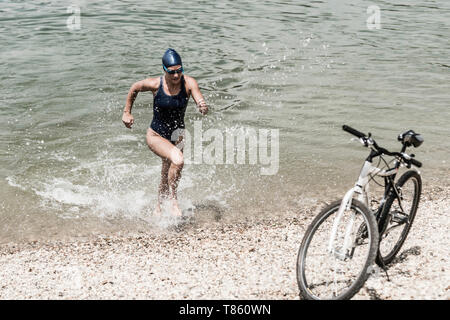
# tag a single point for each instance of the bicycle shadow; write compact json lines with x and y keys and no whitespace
{"x":415,"y":251}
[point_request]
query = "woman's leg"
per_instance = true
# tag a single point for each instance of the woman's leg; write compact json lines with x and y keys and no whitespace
{"x":174,"y":178}
{"x":163,"y":191}
{"x":170,"y":153}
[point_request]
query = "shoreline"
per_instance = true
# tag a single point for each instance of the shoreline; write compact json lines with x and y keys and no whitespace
{"x":224,"y":260}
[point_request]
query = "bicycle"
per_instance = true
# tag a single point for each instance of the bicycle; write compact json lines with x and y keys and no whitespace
{"x":346,"y":238}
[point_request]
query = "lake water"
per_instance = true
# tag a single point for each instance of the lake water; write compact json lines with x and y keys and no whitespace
{"x":70,"y":168}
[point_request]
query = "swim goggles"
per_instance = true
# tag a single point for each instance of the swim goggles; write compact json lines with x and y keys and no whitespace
{"x":179,"y":70}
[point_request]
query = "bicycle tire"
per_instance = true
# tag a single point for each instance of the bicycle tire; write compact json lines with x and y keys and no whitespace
{"x":387,"y":214}
{"x":367,"y":259}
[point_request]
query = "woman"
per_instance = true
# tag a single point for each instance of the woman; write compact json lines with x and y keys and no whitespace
{"x":171,"y":94}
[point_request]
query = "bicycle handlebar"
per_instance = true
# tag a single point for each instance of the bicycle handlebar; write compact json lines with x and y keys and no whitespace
{"x":353,"y":131}
{"x":408,"y":159}
{"x":418,"y":164}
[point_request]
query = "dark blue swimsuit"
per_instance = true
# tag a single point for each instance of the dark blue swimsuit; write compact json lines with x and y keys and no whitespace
{"x":168,"y":111}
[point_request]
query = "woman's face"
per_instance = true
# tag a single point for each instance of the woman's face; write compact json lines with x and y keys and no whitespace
{"x":176,"y":76}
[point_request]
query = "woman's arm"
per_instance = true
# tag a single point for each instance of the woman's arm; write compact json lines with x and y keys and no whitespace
{"x":197,"y":95}
{"x":149,"y":84}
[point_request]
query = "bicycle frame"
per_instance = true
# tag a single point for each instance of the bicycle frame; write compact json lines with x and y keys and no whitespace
{"x":361,"y":189}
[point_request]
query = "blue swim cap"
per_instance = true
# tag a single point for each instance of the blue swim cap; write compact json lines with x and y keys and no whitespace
{"x":171,"y":58}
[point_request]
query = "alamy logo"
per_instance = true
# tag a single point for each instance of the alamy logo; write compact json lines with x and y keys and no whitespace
{"x":374,"y":20}
{"x":74,"y":21}
{"x":231,"y":147}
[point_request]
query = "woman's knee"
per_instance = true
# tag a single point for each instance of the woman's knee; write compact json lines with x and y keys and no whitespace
{"x":176,"y":157}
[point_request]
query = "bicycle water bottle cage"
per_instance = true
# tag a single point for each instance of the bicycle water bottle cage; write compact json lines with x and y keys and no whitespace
{"x":410,"y":138}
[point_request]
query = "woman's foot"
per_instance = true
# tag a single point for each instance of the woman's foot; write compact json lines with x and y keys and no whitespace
{"x":176,"y":212}
{"x":157,"y":211}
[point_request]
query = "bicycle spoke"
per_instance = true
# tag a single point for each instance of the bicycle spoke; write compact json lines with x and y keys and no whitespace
{"x":399,"y":216}
{"x":331,"y":274}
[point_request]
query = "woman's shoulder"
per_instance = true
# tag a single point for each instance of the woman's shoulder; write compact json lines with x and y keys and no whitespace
{"x":190,"y":81}
{"x":151,"y":83}
{"x":155,"y":81}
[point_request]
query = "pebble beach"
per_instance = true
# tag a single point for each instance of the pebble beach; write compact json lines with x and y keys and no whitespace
{"x":248,"y":260}
{"x":78,"y":188}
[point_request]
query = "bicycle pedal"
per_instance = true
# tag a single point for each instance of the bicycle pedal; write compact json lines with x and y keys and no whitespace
{"x":399,"y":217}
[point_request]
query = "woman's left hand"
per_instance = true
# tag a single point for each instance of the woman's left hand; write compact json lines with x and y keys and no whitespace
{"x":202,"y":107}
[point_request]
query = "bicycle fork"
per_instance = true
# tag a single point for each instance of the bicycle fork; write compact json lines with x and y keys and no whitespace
{"x":343,"y":253}
{"x":350,"y":237}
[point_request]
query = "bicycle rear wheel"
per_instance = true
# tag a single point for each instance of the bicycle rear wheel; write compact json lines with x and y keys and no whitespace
{"x":335,"y":274}
{"x":398,"y":216}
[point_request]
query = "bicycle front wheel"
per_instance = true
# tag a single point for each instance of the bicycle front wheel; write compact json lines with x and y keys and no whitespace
{"x":398,"y":216}
{"x":340,"y":270}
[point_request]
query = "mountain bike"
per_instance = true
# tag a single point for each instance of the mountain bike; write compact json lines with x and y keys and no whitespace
{"x":347,"y":237}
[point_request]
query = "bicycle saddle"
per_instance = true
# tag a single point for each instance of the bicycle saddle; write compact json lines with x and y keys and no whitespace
{"x":409,"y":138}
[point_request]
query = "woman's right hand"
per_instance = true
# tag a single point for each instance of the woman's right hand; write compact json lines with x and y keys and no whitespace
{"x":127,"y":119}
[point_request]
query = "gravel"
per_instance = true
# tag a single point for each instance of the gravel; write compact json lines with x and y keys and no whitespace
{"x":247,"y":260}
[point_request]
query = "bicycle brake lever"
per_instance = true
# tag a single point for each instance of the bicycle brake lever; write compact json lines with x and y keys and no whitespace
{"x":363,"y":141}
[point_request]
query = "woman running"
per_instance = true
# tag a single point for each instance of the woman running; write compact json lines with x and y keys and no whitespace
{"x":171,"y":94}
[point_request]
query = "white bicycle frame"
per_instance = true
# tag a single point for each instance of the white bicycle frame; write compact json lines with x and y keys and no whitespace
{"x":361,"y":189}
